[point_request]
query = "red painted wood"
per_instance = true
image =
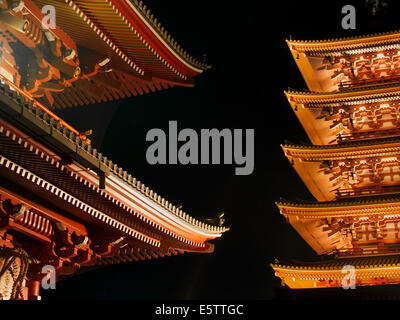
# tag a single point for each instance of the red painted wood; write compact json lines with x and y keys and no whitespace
{"x":152,"y":39}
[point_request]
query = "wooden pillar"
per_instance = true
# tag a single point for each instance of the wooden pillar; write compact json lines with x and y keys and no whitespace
{"x":33,"y":289}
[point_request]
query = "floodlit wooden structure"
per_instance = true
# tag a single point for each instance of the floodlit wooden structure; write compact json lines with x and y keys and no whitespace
{"x":100,"y":50}
{"x":63,"y":203}
{"x":352,"y":168}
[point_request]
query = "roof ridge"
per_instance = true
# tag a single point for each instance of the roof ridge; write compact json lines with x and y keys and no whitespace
{"x":331,"y":263}
{"x":344,"y":91}
{"x":371,"y":142}
{"x":375,"y":199}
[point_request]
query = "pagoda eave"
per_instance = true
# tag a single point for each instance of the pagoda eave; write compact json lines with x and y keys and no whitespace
{"x":122,"y":194}
{"x":342,"y":44}
{"x":319,"y":61}
{"x":348,"y":95}
{"x":386,"y":205}
{"x":99,"y":51}
{"x":320,"y":166}
{"x":125,"y":17}
{"x":351,"y":115}
{"x":348,"y":115}
{"x":358,"y":149}
{"x":379,"y":270}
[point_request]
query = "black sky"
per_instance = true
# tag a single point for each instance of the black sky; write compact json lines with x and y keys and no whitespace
{"x":245,"y":43}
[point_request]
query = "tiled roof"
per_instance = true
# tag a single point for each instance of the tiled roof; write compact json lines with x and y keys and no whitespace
{"x":351,"y":43}
{"x":88,"y":156}
{"x":348,"y":145}
{"x":337,"y":264}
{"x":166,"y":36}
{"x":357,"y":93}
{"x":370,"y":200}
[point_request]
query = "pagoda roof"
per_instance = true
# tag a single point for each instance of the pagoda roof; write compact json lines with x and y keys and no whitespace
{"x":307,"y":106}
{"x":337,"y":264}
{"x":374,"y":270}
{"x":313,"y":220}
{"x":133,"y":52}
{"x":348,"y":95}
{"x":130,"y":30}
{"x":310,"y":55}
{"x":306,"y":160}
{"x":376,"y":199}
{"x":123,"y":199}
{"x":347,"y":43}
{"x":361,"y":206}
{"x":358,"y":149}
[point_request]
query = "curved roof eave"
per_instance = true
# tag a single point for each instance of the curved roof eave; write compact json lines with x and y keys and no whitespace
{"x":160,"y":33}
{"x":345,"y":43}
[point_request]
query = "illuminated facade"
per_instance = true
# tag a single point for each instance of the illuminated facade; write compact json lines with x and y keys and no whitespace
{"x":352,"y":168}
{"x":63,"y":203}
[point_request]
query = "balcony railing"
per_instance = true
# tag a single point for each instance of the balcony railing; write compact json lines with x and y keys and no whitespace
{"x":367,"y":191}
{"x":357,"y":252}
{"x":368,"y":82}
{"x":362,"y":135}
{"x":36,"y":104}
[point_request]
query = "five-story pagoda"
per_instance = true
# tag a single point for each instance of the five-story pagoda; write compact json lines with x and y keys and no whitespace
{"x":352,"y":117}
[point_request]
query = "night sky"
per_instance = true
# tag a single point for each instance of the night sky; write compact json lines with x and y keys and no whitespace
{"x":251,"y":67}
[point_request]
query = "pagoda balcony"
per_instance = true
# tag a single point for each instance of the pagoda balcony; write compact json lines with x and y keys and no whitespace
{"x":380,"y":270}
{"x":348,"y":115}
{"x":123,"y":52}
{"x":365,"y":135}
{"x":359,"y":168}
{"x":64,"y":206}
{"x":363,"y":252}
{"x":347,"y":227}
{"x":367,"y":191}
{"x":332,"y":65}
{"x":351,"y":113}
{"x":343,"y":85}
